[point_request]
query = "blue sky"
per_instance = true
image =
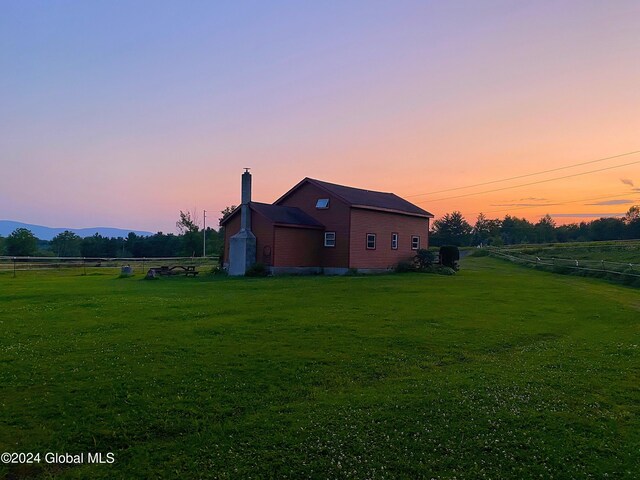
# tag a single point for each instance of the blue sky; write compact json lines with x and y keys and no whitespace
{"x":124,"y":113}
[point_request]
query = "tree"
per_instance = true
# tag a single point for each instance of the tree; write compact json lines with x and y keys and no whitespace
{"x":485,"y":230}
{"x":633,"y":214}
{"x":607,"y":229}
{"x":567,"y":233}
{"x":99,"y":246}
{"x":545,"y":229}
{"x":66,"y":244}
{"x":189,"y":230}
{"x":517,"y":230}
{"x":192,"y":244}
{"x":226,"y":212}
{"x":221,"y":236}
{"x":132,"y":243}
{"x":187,"y":222}
{"x":632,"y":220}
{"x":2,"y":245}
{"x":158,"y":245}
{"x":215,"y":239}
{"x":21,"y":243}
{"x":452,"y":229}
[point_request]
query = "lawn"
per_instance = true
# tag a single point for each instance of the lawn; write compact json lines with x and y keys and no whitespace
{"x":615,"y":261}
{"x":613,"y":251}
{"x":497,"y":372}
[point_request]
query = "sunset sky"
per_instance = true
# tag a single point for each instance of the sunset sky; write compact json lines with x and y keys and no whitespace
{"x":124,"y":113}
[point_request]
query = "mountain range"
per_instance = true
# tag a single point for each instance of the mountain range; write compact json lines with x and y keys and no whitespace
{"x":47,"y":233}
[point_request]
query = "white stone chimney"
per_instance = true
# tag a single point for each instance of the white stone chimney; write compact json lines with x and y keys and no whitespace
{"x":242,"y":246}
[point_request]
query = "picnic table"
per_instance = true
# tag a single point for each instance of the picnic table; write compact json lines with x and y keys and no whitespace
{"x":188,"y":270}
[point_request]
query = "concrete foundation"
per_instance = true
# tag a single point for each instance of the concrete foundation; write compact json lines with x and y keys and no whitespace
{"x":314,"y":270}
{"x":295,"y":270}
{"x":374,"y":271}
{"x":335,"y":271}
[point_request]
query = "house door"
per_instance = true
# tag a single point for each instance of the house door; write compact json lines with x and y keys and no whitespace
{"x":266,"y":255}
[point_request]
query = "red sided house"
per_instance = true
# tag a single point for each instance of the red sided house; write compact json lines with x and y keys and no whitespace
{"x":322,"y":227}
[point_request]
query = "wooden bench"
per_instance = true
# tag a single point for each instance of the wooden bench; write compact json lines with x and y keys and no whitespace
{"x":191,"y":270}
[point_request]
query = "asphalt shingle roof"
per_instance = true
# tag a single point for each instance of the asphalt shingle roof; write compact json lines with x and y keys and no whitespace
{"x":370,"y":198}
{"x":285,"y":215}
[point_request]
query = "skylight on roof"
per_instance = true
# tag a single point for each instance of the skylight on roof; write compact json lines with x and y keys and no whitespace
{"x":322,"y":203}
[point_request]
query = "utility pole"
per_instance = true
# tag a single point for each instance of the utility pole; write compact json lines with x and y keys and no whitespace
{"x":204,"y":235}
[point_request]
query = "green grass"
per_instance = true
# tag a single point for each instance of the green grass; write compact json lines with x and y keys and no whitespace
{"x":613,"y":261}
{"x":621,"y":251}
{"x":497,"y":372}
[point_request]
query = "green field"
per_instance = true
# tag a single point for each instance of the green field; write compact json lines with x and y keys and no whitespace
{"x":615,"y":261}
{"x":497,"y":372}
{"x":624,"y":252}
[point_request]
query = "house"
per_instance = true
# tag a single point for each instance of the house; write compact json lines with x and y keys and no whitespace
{"x":319,"y":227}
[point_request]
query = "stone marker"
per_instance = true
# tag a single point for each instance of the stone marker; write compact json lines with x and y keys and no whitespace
{"x":126,"y":270}
{"x":151,"y":274}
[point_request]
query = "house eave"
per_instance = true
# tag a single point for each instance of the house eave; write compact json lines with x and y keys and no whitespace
{"x":390,"y":210}
{"x":297,"y":225}
{"x":226,"y":219}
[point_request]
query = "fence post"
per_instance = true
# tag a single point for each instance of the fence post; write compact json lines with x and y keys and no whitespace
{"x":14,"y":267}
{"x":84,"y":266}
{"x":143,"y":265}
{"x":603,"y":267}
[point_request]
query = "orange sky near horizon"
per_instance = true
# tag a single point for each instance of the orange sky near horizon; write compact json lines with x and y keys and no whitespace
{"x":124,"y":120}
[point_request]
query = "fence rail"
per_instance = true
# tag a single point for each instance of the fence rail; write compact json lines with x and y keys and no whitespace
{"x":596,"y":266}
{"x":614,"y":244}
{"x":138,"y":265}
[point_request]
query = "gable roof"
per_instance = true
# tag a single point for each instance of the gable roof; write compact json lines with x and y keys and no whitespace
{"x":280,"y":215}
{"x":367,"y":199}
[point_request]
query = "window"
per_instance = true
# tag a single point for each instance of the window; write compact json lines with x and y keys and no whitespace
{"x":415,"y":242}
{"x":371,"y":241}
{"x":329,"y":239}
{"x":394,"y":241}
{"x":322,"y":203}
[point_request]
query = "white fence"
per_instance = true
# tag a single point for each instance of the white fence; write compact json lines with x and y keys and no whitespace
{"x":139,"y":265}
{"x":595,"y":266}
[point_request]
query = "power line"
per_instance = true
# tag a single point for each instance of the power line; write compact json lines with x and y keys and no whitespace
{"x":552,"y":204}
{"x":526,"y":175}
{"x":531,"y":183}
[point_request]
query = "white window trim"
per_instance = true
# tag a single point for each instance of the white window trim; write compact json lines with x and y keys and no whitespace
{"x":394,"y":239}
{"x":413,"y":237}
{"x":374,"y":241}
{"x":326,"y":239}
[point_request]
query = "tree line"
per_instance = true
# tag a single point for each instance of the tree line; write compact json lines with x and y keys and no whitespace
{"x":188,"y":242}
{"x":453,"y":229}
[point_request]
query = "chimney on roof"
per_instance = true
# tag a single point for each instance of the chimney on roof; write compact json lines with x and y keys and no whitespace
{"x":242,"y":246}
{"x":245,"y":222}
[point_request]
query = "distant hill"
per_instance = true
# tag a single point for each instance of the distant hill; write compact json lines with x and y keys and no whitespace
{"x":47,"y":233}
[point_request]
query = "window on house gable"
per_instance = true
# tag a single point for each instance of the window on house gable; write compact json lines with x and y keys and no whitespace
{"x":394,"y":241}
{"x":329,"y":239}
{"x":371,"y":241}
{"x":415,"y":242}
{"x":322,"y":203}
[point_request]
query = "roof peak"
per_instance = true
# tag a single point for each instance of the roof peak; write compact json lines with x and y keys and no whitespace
{"x":362,"y":198}
{"x":348,"y":186}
